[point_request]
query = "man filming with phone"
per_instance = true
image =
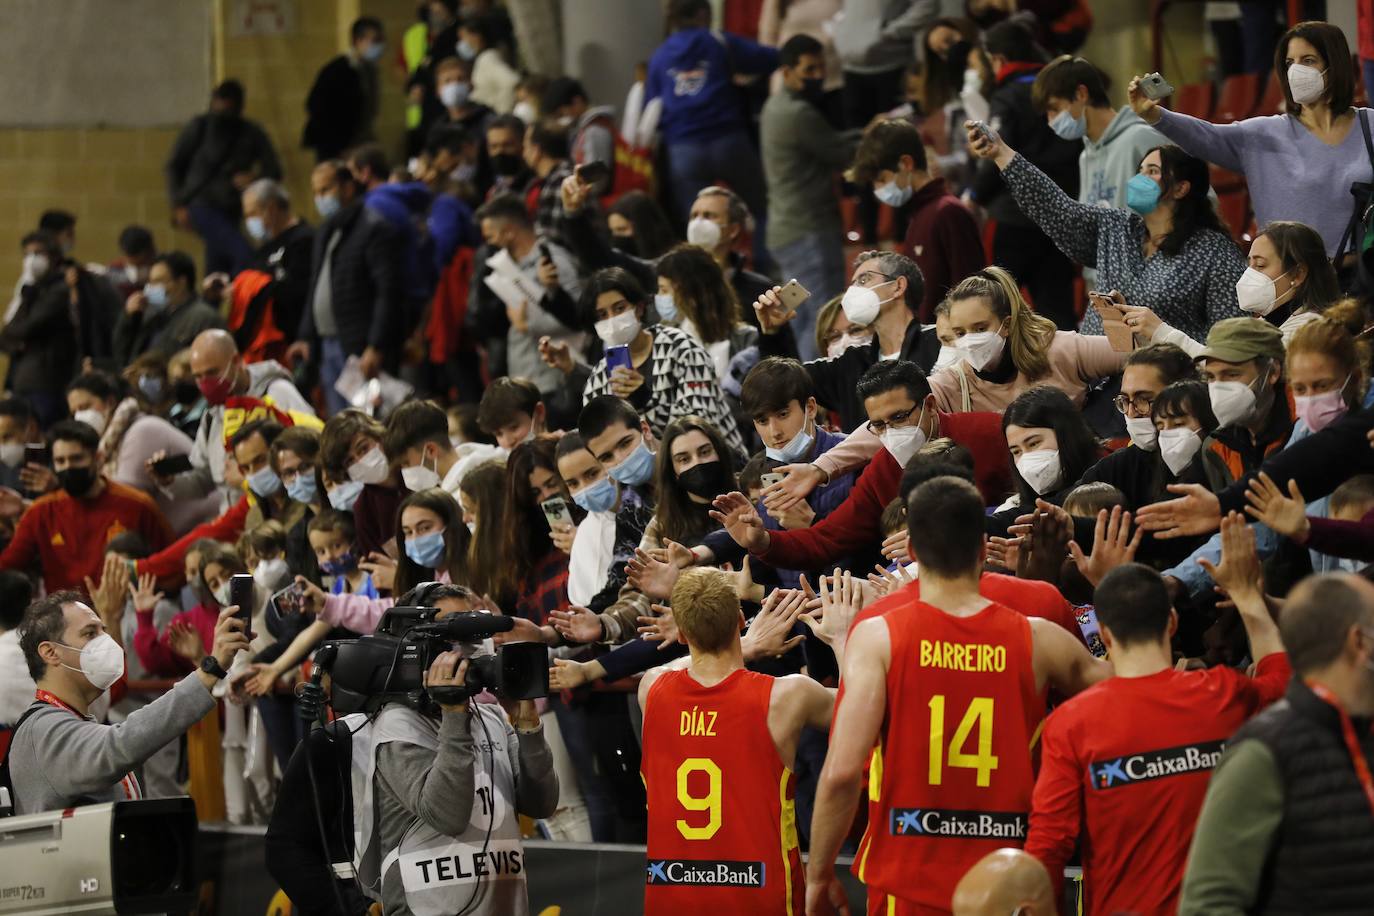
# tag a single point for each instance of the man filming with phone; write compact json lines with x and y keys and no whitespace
{"x":448,"y":781}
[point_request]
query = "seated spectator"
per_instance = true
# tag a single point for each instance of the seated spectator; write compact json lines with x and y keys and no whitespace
{"x":693,"y":295}
{"x":351,"y":450}
{"x":1007,"y":349}
{"x":512,"y":411}
{"x":493,"y":80}
{"x":835,"y":333}
{"x":63,"y":534}
{"x":40,"y":328}
{"x":942,"y":235}
{"x":640,"y":229}
{"x":1168,"y":252}
{"x":167,"y":314}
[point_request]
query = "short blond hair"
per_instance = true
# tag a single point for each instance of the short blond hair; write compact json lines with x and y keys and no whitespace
{"x":706,"y":609}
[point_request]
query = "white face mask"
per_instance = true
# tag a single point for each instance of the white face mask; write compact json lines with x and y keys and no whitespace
{"x":1143,"y":433}
{"x":948,"y":358}
{"x":525,"y":111}
{"x":904,"y":441}
{"x":1306,"y":83}
{"x":1257,"y":294}
{"x":92,"y":417}
{"x":861,"y":305}
{"x":703,"y":232}
{"x":981,"y":348}
{"x":420,"y":477}
{"x":102,"y":661}
{"x":35,"y":265}
{"x":1178,"y":447}
{"x":12,"y":454}
{"x":270,"y":572}
{"x":618,"y":330}
{"x":1232,"y":402}
{"x":371,"y":468}
{"x":1040,"y":470}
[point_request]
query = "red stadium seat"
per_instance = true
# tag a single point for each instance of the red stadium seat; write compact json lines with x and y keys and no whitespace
{"x":1271,"y":103}
{"x":1234,"y":209}
{"x":1194,"y":99}
{"x":1237,"y":99}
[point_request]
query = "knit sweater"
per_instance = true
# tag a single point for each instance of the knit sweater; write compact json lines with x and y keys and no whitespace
{"x":1077,"y":361}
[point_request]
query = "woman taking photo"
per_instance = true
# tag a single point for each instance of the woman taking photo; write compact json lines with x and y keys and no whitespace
{"x":1289,"y":282}
{"x":1167,"y":252}
{"x":1298,"y":165}
{"x":1006,"y":348}
{"x":693,"y":294}
{"x":535,"y":571}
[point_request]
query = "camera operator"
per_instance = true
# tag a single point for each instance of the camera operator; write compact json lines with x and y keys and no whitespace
{"x":59,"y":756}
{"x":447,"y":784}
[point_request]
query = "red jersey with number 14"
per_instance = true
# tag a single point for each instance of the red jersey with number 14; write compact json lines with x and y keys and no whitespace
{"x":722,"y":831}
{"x":951,"y":778}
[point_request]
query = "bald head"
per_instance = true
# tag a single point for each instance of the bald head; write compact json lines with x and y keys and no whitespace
{"x":213,"y":354}
{"x":1318,"y":618}
{"x":1004,"y":882}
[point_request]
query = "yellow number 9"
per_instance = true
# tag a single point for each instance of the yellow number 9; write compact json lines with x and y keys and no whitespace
{"x":710,"y":802}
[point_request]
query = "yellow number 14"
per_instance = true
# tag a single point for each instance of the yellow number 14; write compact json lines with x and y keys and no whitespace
{"x":979,"y":713}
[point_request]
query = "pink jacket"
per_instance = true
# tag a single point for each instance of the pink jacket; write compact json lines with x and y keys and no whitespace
{"x":1076,"y":362}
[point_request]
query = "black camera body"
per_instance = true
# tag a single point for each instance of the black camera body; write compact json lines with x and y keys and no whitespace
{"x":389,"y":666}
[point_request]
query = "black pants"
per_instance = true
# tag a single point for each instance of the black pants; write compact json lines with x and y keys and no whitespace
{"x":863,"y":96}
{"x":1041,"y":268}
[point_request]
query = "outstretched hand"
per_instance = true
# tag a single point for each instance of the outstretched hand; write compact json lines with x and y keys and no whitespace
{"x":1113,"y":544}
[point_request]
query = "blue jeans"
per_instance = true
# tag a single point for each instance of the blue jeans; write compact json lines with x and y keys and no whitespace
{"x":816,"y":261}
{"x":225,"y":248}
{"x":729,"y":159}
{"x":332,"y":359}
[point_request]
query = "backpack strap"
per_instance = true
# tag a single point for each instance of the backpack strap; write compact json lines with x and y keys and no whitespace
{"x":8,"y":802}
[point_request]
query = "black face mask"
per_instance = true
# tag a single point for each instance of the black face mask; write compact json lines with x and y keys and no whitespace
{"x":186,"y":392}
{"x":506,"y":164}
{"x":76,"y":481}
{"x":706,"y":480}
{"x":956,"y":60}
{"x":625,"y":243}
{"x":813,"y":91}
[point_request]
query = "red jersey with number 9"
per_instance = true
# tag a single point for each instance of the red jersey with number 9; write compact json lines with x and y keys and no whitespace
{"x":722,"y":831}
{"x":951,"y":778}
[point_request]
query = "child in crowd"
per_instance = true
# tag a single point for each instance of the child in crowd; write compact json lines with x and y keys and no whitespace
{"x":331,"y":537}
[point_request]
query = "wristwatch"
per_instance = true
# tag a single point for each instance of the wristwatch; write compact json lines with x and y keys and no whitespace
{"x":211,"y":666}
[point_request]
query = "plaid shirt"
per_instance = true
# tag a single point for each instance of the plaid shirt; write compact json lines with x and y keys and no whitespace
{"x":549,"y":205}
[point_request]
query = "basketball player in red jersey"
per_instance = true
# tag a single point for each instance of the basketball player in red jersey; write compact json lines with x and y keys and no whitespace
{"x":951,"y":690}
{"x":718,"y":748}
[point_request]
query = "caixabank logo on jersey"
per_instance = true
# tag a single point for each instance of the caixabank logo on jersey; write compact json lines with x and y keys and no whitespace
{"x":1171,"y":761}
{"x":943,"y":822}
{"x":698,"y":872}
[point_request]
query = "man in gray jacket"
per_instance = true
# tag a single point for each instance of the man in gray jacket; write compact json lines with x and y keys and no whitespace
{"x":59,"y":756}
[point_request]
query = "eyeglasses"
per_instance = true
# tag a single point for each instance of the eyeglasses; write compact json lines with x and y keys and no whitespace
{"x":878,"y":427}
{"x":872,"y":278}
{"x":1141,"y":402}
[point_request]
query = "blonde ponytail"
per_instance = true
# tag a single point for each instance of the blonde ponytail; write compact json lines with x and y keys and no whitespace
{"x":1029,"y":335}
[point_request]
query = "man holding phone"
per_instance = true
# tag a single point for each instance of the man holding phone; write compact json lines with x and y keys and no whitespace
{"x":66,"y":530}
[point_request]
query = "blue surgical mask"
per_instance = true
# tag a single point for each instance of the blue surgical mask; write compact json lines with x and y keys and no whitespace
{"x":151,"y":386}
{"x":327,"y":205}
{"x":635,"y":470}
{"x":345,"y":495}
{"x":341,"y":565}
{"x":303,"y":488}
{"x":465,"y":50}
{"x":1142,"y":194}
{"x":156,"y":294}
{"x":599,"y":497}
{"x":891,"y":194}
{"x":665,"y":306}
{"x":374,"y":51}
{"x":1067,"y":127}
{"x":256,"y":228}
{"x":794,"y":451}
{"x":426,"y":549}
{"x":264,"y":482}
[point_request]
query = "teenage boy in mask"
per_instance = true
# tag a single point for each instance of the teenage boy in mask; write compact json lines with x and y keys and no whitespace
{"x":59,"y":757}
{"x":64,"y":532}
{"x":417,"y":442}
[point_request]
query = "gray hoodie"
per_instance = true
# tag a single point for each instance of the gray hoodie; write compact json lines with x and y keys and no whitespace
{"x":1106,"y":166}
{"x":267,"y":380}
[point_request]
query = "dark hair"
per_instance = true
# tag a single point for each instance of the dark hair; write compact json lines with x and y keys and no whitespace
{"x":1297,"y":245}
{"x":49,"y":243}
{"x":221,"y":554}
{"x":505,"y":397}
{"x":1317,"y":618}
{"x":1133,"y":602}
{"x":774,"y":383}
{"x":679,"y":517}
{"x":1357,"y":491}
{"x":606,"y":280}
{"x":268,"y":428}
{"x":449,"y":137}
{"x":1194,"y":211}
{"x":45,"y":621}
{"x":887,"y":374}
{"x":484,"y":24}
{"x":549,"y":138}
{"x":129,"y":544}
{"x":653,"y":233}
{"x":1171,"y":362}
{"x":792,"y":50}
{"x":372,"y":157}
{"x":561,"y":90}
{"x":16,"y":591}
{"x":56,"y":221}
{"x":362,"y":25}
{"x":415,"y":423}
{"x":437,"y":592}
{"x":526,"y":531}
{"x":336,"y":439}
{"x":882,"y":146}
{"x":437,"y":500}
{"x":685,"y":13}
{"x":751,"y":475}
{"x":953,"y":547}
{"x":893,"y":264}
{"x":231,"y":91}
{"x":929,"y":463}
{"x":18,"y":408}
{"x":1013,"y":40}
{"x":99,"y":383}
{"x":701,"y":291}
{"x":506,"y":208}
{"x":1061,"y":78}
{"x":568,"y":443}
{"x":136,"y":240}
{"x":1330,"y":43}
{"x":1050,"y":408}
{"x":72,"y":431}
{"x":1188,"y":398}
{"x":507,"y":122}
{"x":942,"y":78}
{"x":301,"y":441}
{"x":333,"y":520}
{"x":180,"y":265}
{"x":603,"y":410}
{"x":1087,"y":499}
{"x":465,"y":415}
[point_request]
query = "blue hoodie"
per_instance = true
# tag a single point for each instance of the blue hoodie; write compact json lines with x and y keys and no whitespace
{"x":692,"y":73}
